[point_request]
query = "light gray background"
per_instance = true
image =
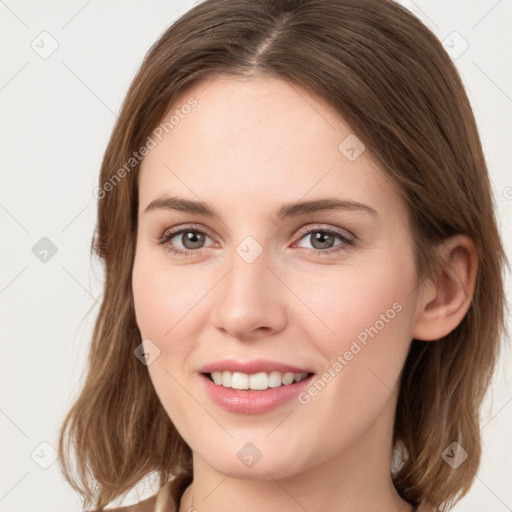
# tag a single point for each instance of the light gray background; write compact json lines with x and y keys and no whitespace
{"x":57,"y":115}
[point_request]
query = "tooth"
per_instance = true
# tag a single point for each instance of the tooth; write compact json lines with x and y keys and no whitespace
{"x":275,"y":379}
{"x":258,"y":381}
{"x":288,"y":378}
{"x":226,"y":379}
{"x":240,"y":381}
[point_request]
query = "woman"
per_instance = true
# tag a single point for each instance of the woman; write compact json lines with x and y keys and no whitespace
{"x":304,"y":297}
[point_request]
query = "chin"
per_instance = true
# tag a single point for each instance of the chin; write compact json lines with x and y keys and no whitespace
{"x":275,"y":465}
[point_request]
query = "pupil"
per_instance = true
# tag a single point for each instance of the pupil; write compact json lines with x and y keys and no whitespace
{"x":189,"y":239}
{"x":320,"y":236}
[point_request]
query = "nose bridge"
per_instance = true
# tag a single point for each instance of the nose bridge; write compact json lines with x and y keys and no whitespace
{"x":248,"y":280}
{"x":251,"y":295}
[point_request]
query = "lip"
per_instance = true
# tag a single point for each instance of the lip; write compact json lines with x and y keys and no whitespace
{"x":251,"y":367}
{"x":252,"y":402}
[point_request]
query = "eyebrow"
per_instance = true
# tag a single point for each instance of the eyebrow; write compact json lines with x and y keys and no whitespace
{"x":294,"y":209}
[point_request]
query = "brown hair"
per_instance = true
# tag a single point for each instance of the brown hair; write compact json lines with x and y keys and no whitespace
{"x":390,"y":79}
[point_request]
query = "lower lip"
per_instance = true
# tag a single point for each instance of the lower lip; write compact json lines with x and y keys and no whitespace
{"x":253,"y":402}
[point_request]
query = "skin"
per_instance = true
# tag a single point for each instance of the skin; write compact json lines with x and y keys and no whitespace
{"x":247,"y":147}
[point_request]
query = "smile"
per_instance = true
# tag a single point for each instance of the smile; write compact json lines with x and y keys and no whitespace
{"x":253,"y":393}
{"x":255,"y":382}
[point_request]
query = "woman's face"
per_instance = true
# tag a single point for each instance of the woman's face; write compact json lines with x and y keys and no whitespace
{"x":266,"y":287}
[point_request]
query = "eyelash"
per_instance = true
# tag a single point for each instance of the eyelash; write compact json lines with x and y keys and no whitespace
{"x":345,"y":246}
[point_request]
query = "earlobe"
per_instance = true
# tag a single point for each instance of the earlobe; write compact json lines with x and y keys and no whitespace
{"x":446,"y":298}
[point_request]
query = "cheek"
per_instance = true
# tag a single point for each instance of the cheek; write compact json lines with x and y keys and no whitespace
{"x":164,"y":309}
{"x":375,"y":312}
{"x":367,"y":302}
{"x":164,"y":301}
{"x":368,"y":311}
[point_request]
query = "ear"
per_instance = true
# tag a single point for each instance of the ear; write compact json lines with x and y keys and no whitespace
{"x":446,"y":297}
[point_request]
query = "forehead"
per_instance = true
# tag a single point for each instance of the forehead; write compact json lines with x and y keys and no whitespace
{"x":257,"y":141}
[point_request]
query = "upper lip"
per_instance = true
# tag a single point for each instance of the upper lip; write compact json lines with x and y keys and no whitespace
{"x":251,"y":367}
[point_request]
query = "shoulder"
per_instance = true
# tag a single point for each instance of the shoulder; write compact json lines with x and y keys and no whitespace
{"x":167,"y":498}
{"x":157,"y":503}
{"x":147,"y":505}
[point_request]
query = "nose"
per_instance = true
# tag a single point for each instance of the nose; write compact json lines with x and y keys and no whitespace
{"x":250,"y":302}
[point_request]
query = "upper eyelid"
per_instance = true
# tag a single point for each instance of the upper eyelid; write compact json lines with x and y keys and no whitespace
{"x":191,"y":227}
{"x":322,"y":227}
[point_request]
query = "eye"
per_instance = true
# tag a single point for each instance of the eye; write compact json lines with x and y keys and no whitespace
{"x":323,"y":240}
{"x":192,"y":240}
